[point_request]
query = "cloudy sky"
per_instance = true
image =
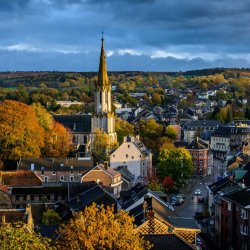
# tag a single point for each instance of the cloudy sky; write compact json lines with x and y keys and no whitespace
{"x":148,"y":35}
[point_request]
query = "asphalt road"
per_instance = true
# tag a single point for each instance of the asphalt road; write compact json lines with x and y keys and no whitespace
{"x":191,"y":204}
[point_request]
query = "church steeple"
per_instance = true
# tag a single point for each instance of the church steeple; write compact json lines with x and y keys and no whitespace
{"x":104,"y":117}
{"x":102,"y":82}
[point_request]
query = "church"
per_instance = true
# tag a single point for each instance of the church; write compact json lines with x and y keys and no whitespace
{"x":83,"y":126}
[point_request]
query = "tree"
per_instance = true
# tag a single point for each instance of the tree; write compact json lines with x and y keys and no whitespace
{"x":123,"y":128}
{"x":154,"y":185}
{"x":20,"y":133}
{"x":45,"y":119}
{"x":100,"y":228}
{"x":156,"y":98}
{"x":19,"y":237}
{"x":101,"y":145}
{"x":176,"y":163}
{"x":57,"y":141}
{"x":51,"y":217}
{"x":171,"y":132}
{"x":168,"y":182}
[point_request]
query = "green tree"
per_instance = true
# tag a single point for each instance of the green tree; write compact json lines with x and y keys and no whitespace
{"x":101,"y":145}
{"x":51,"y":217}
{"x":100,"y":228}
{"x":18,"y":237}
{"x":123,"y":128}
{"x":20,"y":133}
{"x":176,"y":163}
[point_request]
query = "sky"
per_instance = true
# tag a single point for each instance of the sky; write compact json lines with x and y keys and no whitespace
{"x":140,"y":35}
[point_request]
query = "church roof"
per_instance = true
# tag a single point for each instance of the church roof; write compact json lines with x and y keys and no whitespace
{"x":76,"y":123}
{"x":102,"y":81}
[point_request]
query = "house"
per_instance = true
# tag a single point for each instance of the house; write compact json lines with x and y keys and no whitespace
{"x":193,"y":129}
{"x":12,"y":216}
{"x":135,"y":156}
{"x":199,"y":150}
{"x":67,"y":104}
{"x":105,"y":176}
{"x":91,"y":192}
{"x":234,"y":220}
{"x":57,"y":169}
{"x":216,"y":188}
{"x":20,"y":178}
{"x":230,"y":137}
{"x":127,"y":178}
{"x":156,"y":218}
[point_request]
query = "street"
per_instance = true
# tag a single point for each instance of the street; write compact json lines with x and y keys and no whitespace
{"x":191,"y":204}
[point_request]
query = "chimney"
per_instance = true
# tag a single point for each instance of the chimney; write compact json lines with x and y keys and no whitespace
{"x":106,"y":164}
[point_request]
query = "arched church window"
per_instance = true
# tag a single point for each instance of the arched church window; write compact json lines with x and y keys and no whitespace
{"x":100,"y":97}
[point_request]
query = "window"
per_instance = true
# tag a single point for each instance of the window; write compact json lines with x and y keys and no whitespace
{"x":61,"y":178}
{"x":113,"y":156}
{"x":79,"y":172}
{"x":126,"y":155}
{"x":229,"y":204}
{"x":132,"y":157}
{"x":244,"y":229}
{"x":71,"y":178}
{"x":54,"y":172}
{"x":243,"y":214}
{"x":71,"y":172}
{"x":128,"y":146}
{"x":46,"y":178}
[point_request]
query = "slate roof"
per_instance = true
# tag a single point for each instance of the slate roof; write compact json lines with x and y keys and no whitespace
{"x":48,"y":231}
{"x":93,"y":194}
{"x":76,"y":123}
{"x":241,"y":197}
{"x":217,"y":186}
{"x":55,"y":164}
{"x":13,"y":215}
{"x":181,"y":222}
{"x":166,"y":242}
{"x":20,"y":179}
{"x":133,"y":195}
{"x":198,"y":144}
{"x":202,"y":123}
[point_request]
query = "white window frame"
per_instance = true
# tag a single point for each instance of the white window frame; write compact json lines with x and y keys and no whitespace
{"x":61,"y":177}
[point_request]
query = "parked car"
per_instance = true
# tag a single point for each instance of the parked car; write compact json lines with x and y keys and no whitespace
{"x":201,"y":199}
{"x":175,"y":201}
{"x":197,"y":192}
{"x":180,"y":196}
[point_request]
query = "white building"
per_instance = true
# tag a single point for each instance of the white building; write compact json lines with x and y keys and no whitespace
{"x":135,"y":156}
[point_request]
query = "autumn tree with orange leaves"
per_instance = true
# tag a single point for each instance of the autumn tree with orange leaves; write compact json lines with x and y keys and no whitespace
{"x":20,"y":133}
{"x":100,"y":228}
{"x":57,"y":141}
{"x":30,"y":131}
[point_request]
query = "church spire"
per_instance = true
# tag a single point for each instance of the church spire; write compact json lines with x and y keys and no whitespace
{"x":102,"y":82}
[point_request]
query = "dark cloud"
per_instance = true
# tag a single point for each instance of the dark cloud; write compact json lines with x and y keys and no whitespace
{"x":196,"y":33}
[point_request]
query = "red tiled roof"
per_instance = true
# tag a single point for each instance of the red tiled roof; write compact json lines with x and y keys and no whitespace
{"x":3,"y":188}
{"x":13,"y":215}
{"x":20,"y":178}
